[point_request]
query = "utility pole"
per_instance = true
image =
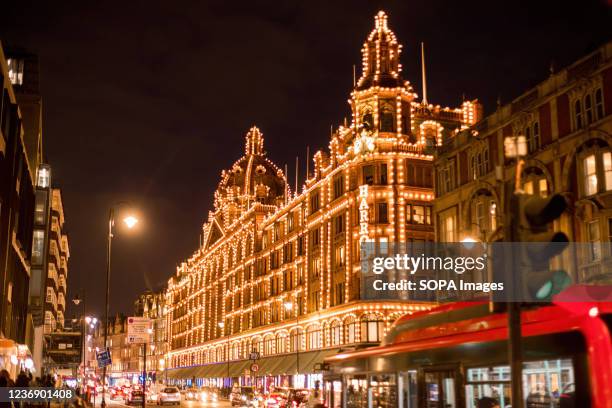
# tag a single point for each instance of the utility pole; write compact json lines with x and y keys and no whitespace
{"x":144,"y":375}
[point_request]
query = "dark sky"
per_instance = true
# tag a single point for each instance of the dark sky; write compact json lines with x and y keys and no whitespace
{"x":148,"y":101}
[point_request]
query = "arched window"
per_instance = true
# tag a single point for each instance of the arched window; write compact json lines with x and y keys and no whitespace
{"x":349,"y":330}
{"x":281,"y":343}
{"x":336,"y":333}
{"x":578,"y":113}
{"x":295,"y":340}
{"x":368,"y":121}
{"x":371,"y":329}
{"x":599,"y":107}
{"x":387,"y":121}
{"x":313,"y":337}
{"x":588,"y":109}
{"x":269,"y":345}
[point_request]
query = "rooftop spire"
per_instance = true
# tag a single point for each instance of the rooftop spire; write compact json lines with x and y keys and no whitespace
{"x":424,"y":77}
{"x":380,"y":56}
{"x":254,"y":142}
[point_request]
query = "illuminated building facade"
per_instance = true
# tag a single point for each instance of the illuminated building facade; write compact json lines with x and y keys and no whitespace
{"x":278,"y":272}
{"x":568,"y":127}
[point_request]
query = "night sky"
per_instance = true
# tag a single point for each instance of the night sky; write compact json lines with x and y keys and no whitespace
{"x":148,"y":101}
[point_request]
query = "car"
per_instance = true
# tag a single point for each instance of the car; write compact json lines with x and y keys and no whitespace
{"x":116,"y":393}
{"x":209,"y":394}
{"x":275,"y":399}
{"x":245,"y":397}
{"x":297,"y":396}
{"x":134,"y":398}
{"x":191,"y":394}
{"x":169,"y":395}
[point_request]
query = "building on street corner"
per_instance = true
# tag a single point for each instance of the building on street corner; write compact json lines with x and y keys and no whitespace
{"x":153,"y":306}
{"x":567,"y":122}
{"x":275,"y":286}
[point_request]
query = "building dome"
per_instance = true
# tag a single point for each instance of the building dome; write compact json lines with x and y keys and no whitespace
{"x":253,"y":178}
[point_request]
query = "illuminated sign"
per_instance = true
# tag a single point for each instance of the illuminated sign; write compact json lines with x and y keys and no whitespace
{"x":364,"y":213}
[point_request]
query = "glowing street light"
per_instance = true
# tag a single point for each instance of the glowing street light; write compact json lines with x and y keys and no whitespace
{"x":130,"y":221}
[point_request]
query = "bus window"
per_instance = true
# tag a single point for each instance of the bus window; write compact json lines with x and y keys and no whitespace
{"x":546,"y":383}
{"x":440,"y":389}
{"x":484,"y":383}
{"x":407,"y":389}
{"x":383,"y":391}
{"x":356,"y":391}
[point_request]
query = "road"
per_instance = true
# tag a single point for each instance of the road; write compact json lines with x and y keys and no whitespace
{"x":184,"y":404}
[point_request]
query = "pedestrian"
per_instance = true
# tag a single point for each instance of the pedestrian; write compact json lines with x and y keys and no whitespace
{"x":314,"y":399}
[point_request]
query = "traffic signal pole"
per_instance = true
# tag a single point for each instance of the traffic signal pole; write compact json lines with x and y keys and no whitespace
{"x":515,"y":349}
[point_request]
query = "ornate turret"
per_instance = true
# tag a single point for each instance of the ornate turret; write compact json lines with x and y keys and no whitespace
{"x":381,"y":51}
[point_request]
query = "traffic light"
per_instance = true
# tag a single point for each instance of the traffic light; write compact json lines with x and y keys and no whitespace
{"x":540,"y":243}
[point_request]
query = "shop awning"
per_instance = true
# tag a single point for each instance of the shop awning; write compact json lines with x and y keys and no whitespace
{"x":278,"y":365}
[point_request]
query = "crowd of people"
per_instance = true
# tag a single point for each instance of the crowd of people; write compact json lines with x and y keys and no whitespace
{"x":26,"y":380}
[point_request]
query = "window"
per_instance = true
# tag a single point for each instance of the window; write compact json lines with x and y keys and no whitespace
{"x":288,"y":252}
{"x":448,"y":228}
{"x":15,"y":68}
{"x":599,"y":107}
{"x":314,"y":202}
{"x":446,"y":177}
{"x":315,"y":236}
{"x":368,"y":174}
{"x":290,"y":221}
{"x":382,"y":213}
{"x":300,"y":245}
{"x":338,"y":186}
{"x":277,"y":231}
{"x":387,"y":123}
{"x":38,"y":246}
{"x":588,"y":109}
{"x":594,"y":241}
{"x":339,"y":224}
{"x":383,"y":174}
{"x":607,"y":167}
{"x":315,"y":268}
{"x":578,"y":114}
{"x":339,"y":256}
{"x":533,"y":138}
{"x":590,"y":175}
{"x":368,"y":121}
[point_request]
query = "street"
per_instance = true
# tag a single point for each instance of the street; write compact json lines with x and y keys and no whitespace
{"x":184,"y":404}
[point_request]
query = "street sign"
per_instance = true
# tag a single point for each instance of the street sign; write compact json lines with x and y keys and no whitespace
{"x":104,"y":358}
{"x":138,"y":330}
{"x":254,"y":355}
{"x":254,"y":367}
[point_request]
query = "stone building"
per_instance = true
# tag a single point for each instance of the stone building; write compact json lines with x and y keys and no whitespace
{"x":277,"y":278}
{"x":568,"y":127}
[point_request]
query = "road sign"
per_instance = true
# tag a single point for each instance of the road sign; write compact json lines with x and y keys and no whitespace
{"x":254,"y":355}
{"x":138,"y":330}
{"x":254,"y":367}
{"x":104,"y":358}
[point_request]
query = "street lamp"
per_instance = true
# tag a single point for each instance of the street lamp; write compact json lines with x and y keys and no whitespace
{"x":76,"y":302}
{"x":130,"y":221}
{"x":289,"y":307}
{"x":222,"y":327}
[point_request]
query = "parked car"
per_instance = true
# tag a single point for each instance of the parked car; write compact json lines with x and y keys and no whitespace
{"x":134,"y":398}
{"x":169,"y":395}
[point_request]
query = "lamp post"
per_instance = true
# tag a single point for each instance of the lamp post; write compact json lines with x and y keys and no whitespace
{"x":130,"y":221}
{"x":76,"y":302}
{"x":289,"y":307}
{"x":222,"y":327}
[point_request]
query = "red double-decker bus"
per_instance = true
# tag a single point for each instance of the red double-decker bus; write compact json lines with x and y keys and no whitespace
{"x":455,"y":356}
